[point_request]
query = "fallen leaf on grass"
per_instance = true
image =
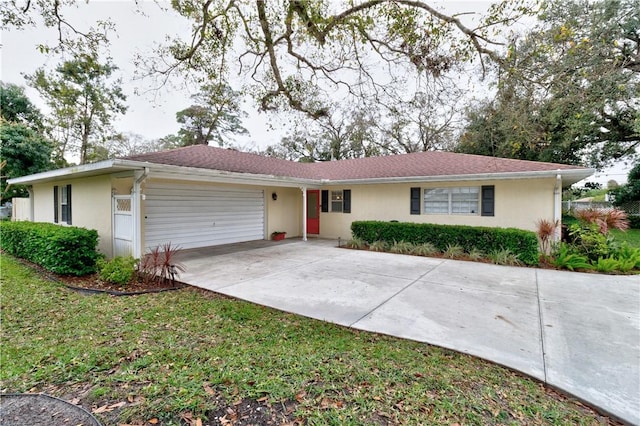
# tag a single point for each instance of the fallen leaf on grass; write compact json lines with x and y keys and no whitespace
{"x":208,"y":389}
{"x":74,"y":401}
{"x":106,"y":408}
{"x":154,"y":421}
{"x":300,"y":396}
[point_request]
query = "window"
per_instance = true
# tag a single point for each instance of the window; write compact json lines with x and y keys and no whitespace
{"x":456,"y":200}
{"x":465,"y":200}
{"x":338,"y":200}
{"x":62,"y":204}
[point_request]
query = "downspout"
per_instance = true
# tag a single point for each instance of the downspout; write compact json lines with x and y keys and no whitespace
{"x":31,"y":204}
{"x":136,"y":200}
{"x":557,"y":207}
{"x":304,"y":213}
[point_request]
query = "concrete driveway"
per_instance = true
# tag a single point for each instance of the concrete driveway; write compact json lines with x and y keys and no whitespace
{"x":577,"y":332}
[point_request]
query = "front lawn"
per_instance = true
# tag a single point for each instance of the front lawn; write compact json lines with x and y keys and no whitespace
{"x":631,"y":236}
{"x":177,"y":357}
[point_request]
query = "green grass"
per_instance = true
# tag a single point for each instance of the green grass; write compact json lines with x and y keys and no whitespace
{"x":631,"y":236}
{"x":166,"y":354}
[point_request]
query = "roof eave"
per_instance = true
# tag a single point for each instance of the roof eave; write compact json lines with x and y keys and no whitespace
{"x":569,"y":177}
{"x":163,"y":171}
{"x":84,"y":170}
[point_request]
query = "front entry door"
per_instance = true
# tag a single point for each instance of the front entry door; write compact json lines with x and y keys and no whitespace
{"x":313,"y":211}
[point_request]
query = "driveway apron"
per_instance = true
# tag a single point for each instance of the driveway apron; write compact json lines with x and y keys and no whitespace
{"x":577,"y":332}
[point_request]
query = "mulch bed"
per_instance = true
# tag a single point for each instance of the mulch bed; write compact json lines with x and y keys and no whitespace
{"x":93,"y":284}
{"x":42,"y":410}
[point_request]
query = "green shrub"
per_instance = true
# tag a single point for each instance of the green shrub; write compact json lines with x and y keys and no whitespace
{"x":401,"y":247}
{"x":606,"y":265}
{"x":475,"y":254}
{"x":565,"y":258}
{"x":588,"y":241}
{"x":634,"y":221}
{"x":118,"y":270}
{"x":453,"y":251}
{"x":424,"y":249}
{"x":379,"y":246}
{"x":66,"y":250}
{"x":524,"y":243}
{"x":504,"y":257}
{"x":627,"y":253}
{"x":356,"y":243}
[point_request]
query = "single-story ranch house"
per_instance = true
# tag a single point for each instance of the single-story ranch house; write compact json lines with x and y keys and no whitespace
{"x":201,"y":196}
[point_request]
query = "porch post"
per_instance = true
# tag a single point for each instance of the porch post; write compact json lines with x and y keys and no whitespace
{"x":136,"y":200}
{"x":31,"y":208}
{"x":304,"y":213}
{"x":557,"y":206}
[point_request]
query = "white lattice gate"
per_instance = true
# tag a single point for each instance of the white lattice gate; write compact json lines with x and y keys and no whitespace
{"x":122,"y":226}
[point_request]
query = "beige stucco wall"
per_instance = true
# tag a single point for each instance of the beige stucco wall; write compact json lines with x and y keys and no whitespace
{"x":90,"y":206}
{"x":285,"y":213}
{"x":518,"y":204}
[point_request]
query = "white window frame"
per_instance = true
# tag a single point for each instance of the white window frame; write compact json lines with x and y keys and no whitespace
{"x":337,"y":197}
{"x":442,"y":195}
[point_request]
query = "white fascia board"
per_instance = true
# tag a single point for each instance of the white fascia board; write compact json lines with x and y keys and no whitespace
{"x":569,"y":176}
{"x":92,"y":169}
{"x":162,"y":171}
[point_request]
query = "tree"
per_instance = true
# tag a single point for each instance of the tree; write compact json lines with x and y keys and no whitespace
{"x":572,"y":90}
{"x":299,"y":54}
{"x":25,"y":152}
{"x":215,"y":116}
{"x":83,"y":104}
{"x":16,"y":107}
{"x":128,"y":143}
{"x":23,"y":147}
{"x":629,"y":192}
{"x":426,"y":121}
{"x":350,"y":133}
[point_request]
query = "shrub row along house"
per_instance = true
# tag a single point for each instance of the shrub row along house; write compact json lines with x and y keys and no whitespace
{"x":201,"y":196}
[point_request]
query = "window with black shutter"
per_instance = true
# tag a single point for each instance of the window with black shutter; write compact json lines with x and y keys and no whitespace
{"x":62,"y":204}
{"x":488,"y":200}
{"x":56,"y":205}
{"x":324,"y":201}
{"x":346,"y":196}
{"x":415,"y":201}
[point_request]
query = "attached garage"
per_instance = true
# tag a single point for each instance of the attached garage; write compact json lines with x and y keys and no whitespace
{"x":192,"y":216}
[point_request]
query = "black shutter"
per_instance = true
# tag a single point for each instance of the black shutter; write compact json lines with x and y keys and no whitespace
{"x":68,"y":189}
{"x":346,"y":203}
{"x":324,"y":203}
{"x":488,"y":200}
{"x":56,"y":206}
{"x":415,"y":201}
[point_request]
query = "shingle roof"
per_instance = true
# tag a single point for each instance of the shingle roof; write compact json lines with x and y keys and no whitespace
{"x":419,"y":164}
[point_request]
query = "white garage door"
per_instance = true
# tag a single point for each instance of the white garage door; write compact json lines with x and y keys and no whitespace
{"x":193,"y":216}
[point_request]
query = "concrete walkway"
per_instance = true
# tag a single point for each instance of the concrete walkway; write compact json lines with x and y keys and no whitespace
{"x":577,"y":332}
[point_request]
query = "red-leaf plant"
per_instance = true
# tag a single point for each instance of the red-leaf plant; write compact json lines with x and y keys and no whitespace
{"x":160,"y":263}
{"x":611,"y":219}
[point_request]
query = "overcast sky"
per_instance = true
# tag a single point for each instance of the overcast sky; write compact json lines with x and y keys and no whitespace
{"x":152,"y":113}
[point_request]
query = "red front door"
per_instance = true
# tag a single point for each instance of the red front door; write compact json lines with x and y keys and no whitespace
{"x":313,"y":211}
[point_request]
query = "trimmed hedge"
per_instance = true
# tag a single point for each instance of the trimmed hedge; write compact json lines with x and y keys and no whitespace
{"x":518,"y":241}
{"x":66,"y":250}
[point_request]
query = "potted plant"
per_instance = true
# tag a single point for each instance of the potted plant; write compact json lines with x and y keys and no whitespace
{"x":278,"y":235}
